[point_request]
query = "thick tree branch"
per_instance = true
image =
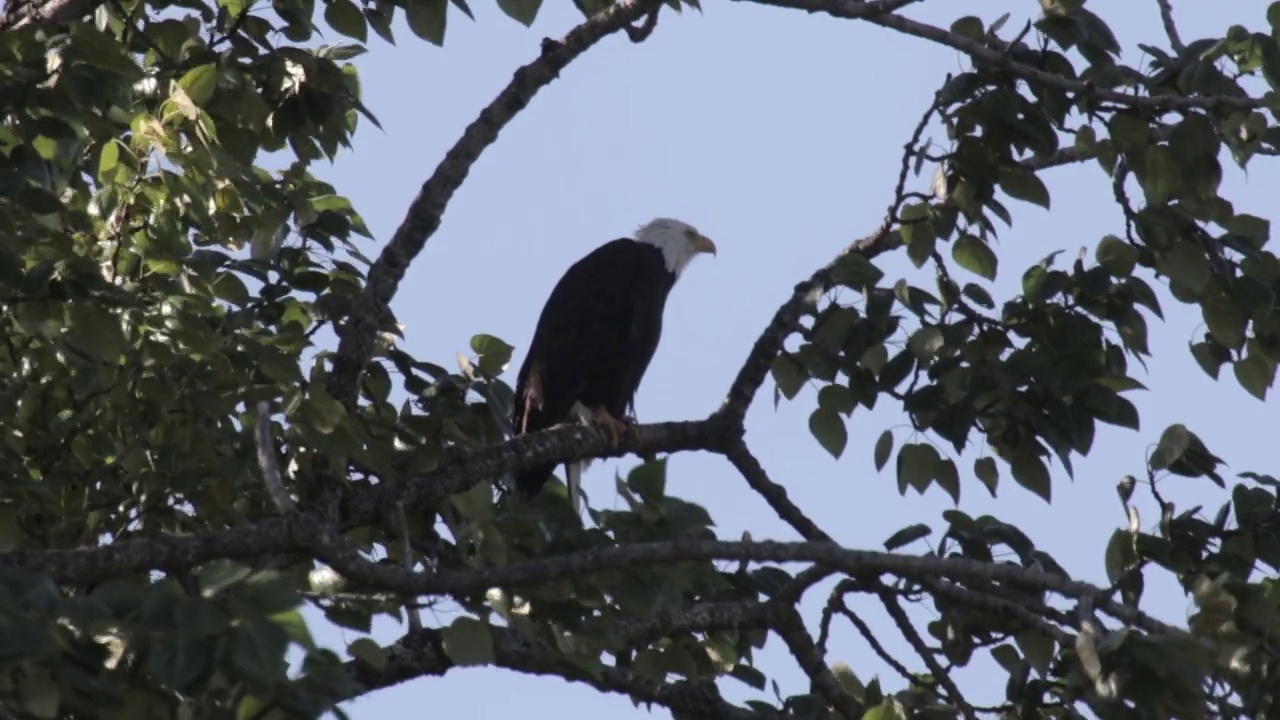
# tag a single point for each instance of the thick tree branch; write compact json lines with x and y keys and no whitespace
{"x":861,"y":563}
{"x":22,"y":12}
{"x":287,"y":535}
{"x":810,"y":659}
{"x":981,"y":53}
{"x":422,"y":653}
{"x":424,"y":215}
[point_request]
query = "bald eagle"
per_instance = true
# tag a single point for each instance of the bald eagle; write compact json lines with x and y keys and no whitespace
{"x":595,"y":338}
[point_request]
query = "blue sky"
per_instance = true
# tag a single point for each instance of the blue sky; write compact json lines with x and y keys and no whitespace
{"x":778,"y":134}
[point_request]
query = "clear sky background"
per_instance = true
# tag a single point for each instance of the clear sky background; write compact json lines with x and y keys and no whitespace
{"x":778,"y":134}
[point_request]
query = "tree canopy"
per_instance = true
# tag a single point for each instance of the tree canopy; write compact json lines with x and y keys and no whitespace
{"x":186,"y":466}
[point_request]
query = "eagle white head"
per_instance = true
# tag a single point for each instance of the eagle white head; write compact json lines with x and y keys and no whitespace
{"x":678,"y":241}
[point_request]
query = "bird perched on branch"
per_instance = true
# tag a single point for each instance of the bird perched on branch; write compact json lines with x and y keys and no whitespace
{"x":595,"y":338}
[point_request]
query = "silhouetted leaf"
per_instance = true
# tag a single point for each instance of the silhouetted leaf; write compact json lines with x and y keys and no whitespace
{"x":906,"y":536}
{"x":884,"y":448}
{"x":468,"y":641}
{"x":975,"y":256}
{"x":1024,"y":185}
{"x":1030,"y":472}
{"x":986,"y":470}
{"x":426,"y":19}
{"x":829,"y":430}
{"x":524,"y":11}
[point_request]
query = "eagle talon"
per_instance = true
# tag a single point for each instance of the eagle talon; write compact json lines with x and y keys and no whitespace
{"x":613,"y":426}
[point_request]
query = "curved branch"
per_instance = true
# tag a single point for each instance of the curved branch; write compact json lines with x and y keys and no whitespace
{"x":422,"y":653}
{"x":776,"y":495}
{"x":460,"y":471}
{"x":981,"y":53}
{"x":912,"y":636}
{"x":22,"y":12}
{"x":862,"y":563}
{"x":810,"y":659}
{"x":423,"y":217}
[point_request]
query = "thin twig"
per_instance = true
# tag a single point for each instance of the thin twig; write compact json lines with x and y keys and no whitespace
{"x":912,"y":636}
{"x":406,"y":550}
{"x":267,"y":461}
{"x":773,"y":493}
{"x":1170,"y":28}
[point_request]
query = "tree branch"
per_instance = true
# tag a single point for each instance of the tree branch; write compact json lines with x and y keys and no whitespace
{"x":981,"y":53}
{"x":773,"y":493}
{"x":1170,"y":28}
{"x":861,"y":563}
{"x":422,"y":653}
{"x":424,"y":215}
{"x":809,"y":657}
{"x":22,"y":12}
{"x":461,"y":470}
{"x":912,"y":636}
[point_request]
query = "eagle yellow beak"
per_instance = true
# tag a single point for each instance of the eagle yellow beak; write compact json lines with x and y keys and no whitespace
{"x":702,"y":243}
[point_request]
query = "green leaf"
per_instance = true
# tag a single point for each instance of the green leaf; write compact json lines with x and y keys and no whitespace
{"x":1037,"y":648}
{"x":10,"y":531}
{"x":494,"y":353}
{"x":970,"y":27}
{"x":884,"y":447}
{"x":1225,"y":321}
{"x":917,"y":233}
{"x":199,"y":83}
{"x":888,"y":709}
{"x":468,"y":641}
{"x":1256,"y":229}
{"x":828,"y":428}
{"x":346,"y":18}
{"x":108,"y":159}
{"x":978,"y":295}
{"x":1023,"y":184}
{"x":974,"y":255}
{"x":1030,"y":472}
{"x":1116,"y":255}
{"x":986,"y":470}
{"x":229,"y":287}
{"x":1133,"y":330}
{"x":926,"y":342}
{"x":789,"y":374}
{"x":906,"y":536}
{"x":1131,"y":133}
{"x":837,"y":397}
{"x":1120,"y":555}
{"x":1162,"y":177}
{"x":96,"y":331}
{"x":40,"y":695}
{"x":948,"y":478}
{"x":1008,"y":658}
{"x":523,"y":11}
{"x":1256,"y":374}
{"x":368,"y":651}
{"x":1173,"y":443}
{"x":917,"y":463}
{"x":257,"y":650}
{"x":427,"y":18}
{"x":1273,"y":18}
{"x":1187,"y":265}
{"x":1210,"y":356}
